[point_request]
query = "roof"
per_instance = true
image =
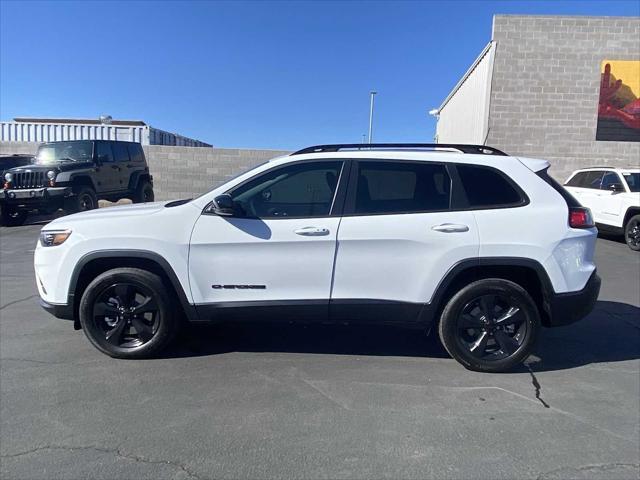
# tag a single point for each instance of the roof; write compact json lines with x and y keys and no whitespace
{"x":81,"y":121}
{"x":609,"y":168}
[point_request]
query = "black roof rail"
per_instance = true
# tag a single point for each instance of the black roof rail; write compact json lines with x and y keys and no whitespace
{"x":462,"y":148}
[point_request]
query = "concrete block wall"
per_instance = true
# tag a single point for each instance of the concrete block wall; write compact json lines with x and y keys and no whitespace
{"x":183,"y":172}
{"x":546,"y":85}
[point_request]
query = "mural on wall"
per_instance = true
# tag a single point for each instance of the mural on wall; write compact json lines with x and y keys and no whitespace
{"x":619,"y":104}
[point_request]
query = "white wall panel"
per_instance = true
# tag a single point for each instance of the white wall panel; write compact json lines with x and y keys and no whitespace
{"x":464,"y":115}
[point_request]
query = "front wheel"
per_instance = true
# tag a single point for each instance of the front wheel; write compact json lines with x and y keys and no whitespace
{"x":127,"y":313}
{"x":490,"y":325}
{"x":84,"y":199}
{"x":632,"y":233}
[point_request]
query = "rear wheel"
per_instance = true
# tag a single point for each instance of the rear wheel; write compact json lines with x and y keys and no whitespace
{"x":632,"y":233}
{"x":144,"y":192}
{"x":127,"y":313}
{"x":84,"y":199}
{"x":12,"y":217}
{"x":490,"y":325}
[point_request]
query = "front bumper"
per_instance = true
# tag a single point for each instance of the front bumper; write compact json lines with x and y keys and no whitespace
{"x":63,"y":311}
{"x":567,"y":308}
{"x":34,"y":197}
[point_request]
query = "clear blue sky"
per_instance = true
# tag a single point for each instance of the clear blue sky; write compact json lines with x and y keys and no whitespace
{"x":251,"y":74}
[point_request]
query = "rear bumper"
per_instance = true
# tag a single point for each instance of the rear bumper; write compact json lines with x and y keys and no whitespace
{"x":567,"y":308}
{"x":62,"y":311}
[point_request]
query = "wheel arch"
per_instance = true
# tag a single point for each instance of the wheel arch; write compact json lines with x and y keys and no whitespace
{"x":95,"y":263}
{"x":631,"y":211}
{"x":526,"y":272}
{"x":138,"y":176}
{"x":82,"y":180}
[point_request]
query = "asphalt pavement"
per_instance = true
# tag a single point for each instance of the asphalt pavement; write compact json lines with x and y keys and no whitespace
{"x":333,"y":402}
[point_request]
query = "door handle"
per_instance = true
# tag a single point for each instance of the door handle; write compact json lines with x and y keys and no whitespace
{"x":312,"y":231}
{"x":450,"y":228}
{"x":115,"y":167}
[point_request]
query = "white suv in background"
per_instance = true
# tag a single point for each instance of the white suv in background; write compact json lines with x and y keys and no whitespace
{"x":613,"y":195}
{"x":481,"y":247}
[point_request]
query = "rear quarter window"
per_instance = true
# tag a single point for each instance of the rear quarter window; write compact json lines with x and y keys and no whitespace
{"x":486,"y":187}
{"x":135,"y":152}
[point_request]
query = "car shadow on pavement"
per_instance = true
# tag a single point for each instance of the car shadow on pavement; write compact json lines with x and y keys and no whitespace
{"x":610,"y":334}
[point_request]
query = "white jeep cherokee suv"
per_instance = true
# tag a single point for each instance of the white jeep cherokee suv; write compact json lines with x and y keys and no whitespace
{"x":613,"y":195}
{"x":480,"y":246}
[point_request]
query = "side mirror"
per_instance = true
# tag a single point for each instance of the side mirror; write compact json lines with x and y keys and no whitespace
{"x":223,"y":205}
{"x":616,"y":187}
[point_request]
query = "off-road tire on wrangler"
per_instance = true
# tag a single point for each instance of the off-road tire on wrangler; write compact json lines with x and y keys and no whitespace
{"x":128,"y":313}
{"x":490,"y":325}
{"x":144,"y":192}
{"x":13,"y":218}
{"x":632,"y":233}
{"x":82,"y":200}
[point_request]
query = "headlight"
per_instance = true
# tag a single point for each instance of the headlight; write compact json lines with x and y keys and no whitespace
{"x":8,"y":177}
{"x":51,"y":174}
{"x":51,"y":238}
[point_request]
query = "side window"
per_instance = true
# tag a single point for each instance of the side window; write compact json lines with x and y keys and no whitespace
{"x":593,"y":179}
{"x":610,"y":178}
{"x":135,"y":152}
{"x":103,"y":152}
{"x":488,"y":188}
{"x":120,"y":152}
{"x":401,"y":187}
{"x":578,"y":180}
{"x":300,"y":190}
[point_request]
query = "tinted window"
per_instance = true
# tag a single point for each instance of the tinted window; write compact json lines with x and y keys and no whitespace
{"x":135,"y":152}
{"x":610,"y":178}
{"x":401,"y":187}
{"x":486,"y":187}
{"x":103,"y":152}
{"x":300,"y":190}
{"x":577,"y":180}
{"x":120,"y":152}
{"x":633,"y":181}
{"x":586,"y":179}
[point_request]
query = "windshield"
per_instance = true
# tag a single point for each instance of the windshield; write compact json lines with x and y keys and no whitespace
{"x":64,"y":152}
{"x":633,"y":180}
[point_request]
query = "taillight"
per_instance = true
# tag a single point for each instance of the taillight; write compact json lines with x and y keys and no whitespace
{"x":580,"y":217}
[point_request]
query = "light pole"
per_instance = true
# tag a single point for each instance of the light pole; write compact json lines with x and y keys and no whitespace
{"x":372,"y":94}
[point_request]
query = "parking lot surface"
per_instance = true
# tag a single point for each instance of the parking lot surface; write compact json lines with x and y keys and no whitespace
{"x":278,"y":401}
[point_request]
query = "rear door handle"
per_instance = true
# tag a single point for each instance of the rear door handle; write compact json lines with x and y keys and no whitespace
{"x":450,"y":228}
{"x":312,"y":231}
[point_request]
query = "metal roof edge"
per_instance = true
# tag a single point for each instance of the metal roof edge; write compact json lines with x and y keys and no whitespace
{"x":473,"y":66}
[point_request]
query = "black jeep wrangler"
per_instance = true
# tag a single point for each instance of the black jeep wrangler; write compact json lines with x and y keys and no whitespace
{"x":73,"y":176}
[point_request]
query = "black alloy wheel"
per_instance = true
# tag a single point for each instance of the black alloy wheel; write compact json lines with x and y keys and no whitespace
{"x":632,"y":233}
{"x":126,"y":314}
{"x":490,"y":325}
{"x":85,"y":202}
{"x":129,"y":313}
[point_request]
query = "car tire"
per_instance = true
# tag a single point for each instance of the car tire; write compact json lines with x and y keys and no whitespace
{"x":82,"y":200}
{"x":632,"y":233}
{"x":12,"y":217}
{"x":490,"y":325}
{"x":128,"y":313}
{"x":144,"y":192}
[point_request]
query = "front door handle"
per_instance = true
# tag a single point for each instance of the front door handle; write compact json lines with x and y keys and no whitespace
{"x":450,"y":228}
{"x":312,"y":231}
